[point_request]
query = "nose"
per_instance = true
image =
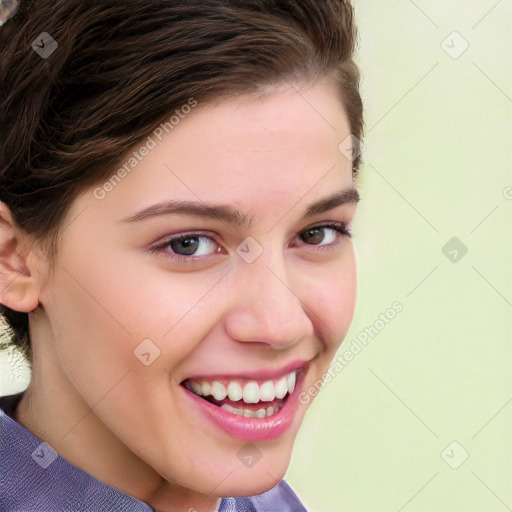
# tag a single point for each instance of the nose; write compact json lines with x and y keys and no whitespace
{"x":267,"y":308}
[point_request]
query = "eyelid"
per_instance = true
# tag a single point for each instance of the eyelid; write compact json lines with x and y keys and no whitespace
{"x":336,"y":225}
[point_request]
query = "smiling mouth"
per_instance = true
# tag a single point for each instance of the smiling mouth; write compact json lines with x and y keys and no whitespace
{"x":245,"y":397}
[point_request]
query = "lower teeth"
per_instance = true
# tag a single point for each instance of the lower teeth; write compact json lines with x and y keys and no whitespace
{"x":260,"y":413}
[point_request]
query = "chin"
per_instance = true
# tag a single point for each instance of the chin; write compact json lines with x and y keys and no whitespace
{"x":251,"y":481}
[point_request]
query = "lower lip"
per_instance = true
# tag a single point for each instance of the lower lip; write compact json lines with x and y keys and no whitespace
{"x":252,"y":429}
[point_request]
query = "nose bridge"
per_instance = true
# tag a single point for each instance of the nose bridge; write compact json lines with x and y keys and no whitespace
{"x":268,"y":309}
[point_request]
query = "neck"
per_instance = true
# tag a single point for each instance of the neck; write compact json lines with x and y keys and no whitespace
{"x":54,"y":412}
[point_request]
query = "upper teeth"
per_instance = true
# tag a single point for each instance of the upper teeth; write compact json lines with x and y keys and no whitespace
{"x":251,"y":392}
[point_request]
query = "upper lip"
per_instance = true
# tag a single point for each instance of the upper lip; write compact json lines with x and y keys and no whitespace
{"x":261,"y":374}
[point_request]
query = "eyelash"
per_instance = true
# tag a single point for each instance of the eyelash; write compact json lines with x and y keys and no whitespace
{"x":160,"y":249}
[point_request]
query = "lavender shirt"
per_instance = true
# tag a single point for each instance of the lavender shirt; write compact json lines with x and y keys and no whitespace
{"x":33,"y":477}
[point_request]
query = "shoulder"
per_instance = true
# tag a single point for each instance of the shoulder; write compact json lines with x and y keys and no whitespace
{"x":33,"y":477}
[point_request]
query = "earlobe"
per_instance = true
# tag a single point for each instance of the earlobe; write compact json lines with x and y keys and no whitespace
{"x":19,"y":276}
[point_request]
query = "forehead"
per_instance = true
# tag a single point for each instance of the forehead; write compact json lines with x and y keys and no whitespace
{"x":249,"y":151}
{"x":262,"y":127}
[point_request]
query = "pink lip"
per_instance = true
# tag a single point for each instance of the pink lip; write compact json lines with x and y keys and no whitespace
{"x":257,"y":375}
{"x":251,"y":429}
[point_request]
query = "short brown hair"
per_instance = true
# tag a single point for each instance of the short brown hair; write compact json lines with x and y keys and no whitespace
{"x":121,"y":66}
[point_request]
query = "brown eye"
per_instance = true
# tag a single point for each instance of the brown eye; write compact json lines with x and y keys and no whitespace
{"x":313,"y":236}
{"x":318,"y":234}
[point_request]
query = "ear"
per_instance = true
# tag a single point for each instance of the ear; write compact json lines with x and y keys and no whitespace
{"x":21,"y":266}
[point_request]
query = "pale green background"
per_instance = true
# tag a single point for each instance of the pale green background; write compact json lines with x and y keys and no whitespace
{"x":438,"y":158}
{"x":437,"y":161}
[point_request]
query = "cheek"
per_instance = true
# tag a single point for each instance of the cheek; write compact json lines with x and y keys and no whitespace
{"x":102,"y":313}
{"x":91,"y":343}
{"x":332,"y":298}
{"x":93,"y":312}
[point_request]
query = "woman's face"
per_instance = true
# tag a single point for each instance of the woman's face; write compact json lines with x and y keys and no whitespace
{"x":244,"y":303}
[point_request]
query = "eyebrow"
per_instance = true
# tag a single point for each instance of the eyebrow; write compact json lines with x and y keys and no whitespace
{"x":231,"y":215}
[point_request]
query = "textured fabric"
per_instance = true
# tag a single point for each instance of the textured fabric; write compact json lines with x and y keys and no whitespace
{"x":279,"y":499}
{"x":33,"y":477}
